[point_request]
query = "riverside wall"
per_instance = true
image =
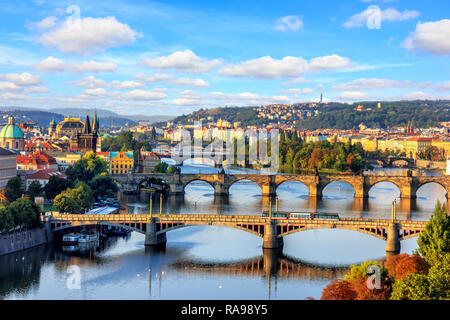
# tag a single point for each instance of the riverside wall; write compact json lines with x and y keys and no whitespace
{"x":18,"y":240}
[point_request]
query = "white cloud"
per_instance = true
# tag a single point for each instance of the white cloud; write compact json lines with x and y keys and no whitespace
{"x":328,"y":62}
{"x":126,"y":85}
{"x":154,"y":94}
{"x":14,"y":96}
{"x":182,"y":82}
{"x":288,"y":67}
{"x":155,"y":78}
{"x":419,"y":95}
{"x":88,"y":35}
{"x":23,"y":79}
{"x":44,"y":24}
{"x":185,"y":61}
{"x":92,"y":66}
{"x":188,"y":82}
{"x":444,"y":86}
{"x":364,"y":84}
{"x":286,"y":23}
{"x":431,"y":37}
{"x":96,"y":92}
{"x":52,"y":65}
{"x":8,"y":86}
{"x":353,"y":95}
{"x":389,"y":14}
{"x":89,"y":83}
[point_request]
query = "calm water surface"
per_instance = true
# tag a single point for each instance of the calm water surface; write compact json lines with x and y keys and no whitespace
{"x":208,"y":262}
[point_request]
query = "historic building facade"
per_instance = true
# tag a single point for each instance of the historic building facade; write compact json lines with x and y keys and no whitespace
{"x":121,"y":162}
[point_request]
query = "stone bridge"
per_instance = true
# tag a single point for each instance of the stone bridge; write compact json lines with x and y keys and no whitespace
{"x":221,"y":182}
{"x":272,"y":231}
{"x":390,"y":161}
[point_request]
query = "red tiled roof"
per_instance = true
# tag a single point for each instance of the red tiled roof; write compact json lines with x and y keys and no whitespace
{"x":46,"y":174}
{"x":37,"y":157}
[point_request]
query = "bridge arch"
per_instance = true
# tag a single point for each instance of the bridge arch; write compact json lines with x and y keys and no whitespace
{"x":246,"y":228}
{"x":136,"y":227}
{"x":385,"y":180}
{"x":298,"y":183}
{"x":245,"y":179}
{"x":339,"y":182}
{"x":189,"y":182}
{"x":428,"y":183}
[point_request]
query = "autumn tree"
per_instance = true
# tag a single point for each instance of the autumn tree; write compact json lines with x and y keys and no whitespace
{"x":360,"y":276}
{"x":339,"y":290}
{"x":400,"y":265}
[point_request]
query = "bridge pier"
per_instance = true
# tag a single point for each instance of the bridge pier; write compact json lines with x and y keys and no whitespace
{"x":269,"y":190}
{"x":151,"y":236}
{"x":408,"y":191}
{"x":393,"y":240}
{"x":220,"y":189}
{"x":315,"y":190}
{"x":271,"y":240}
{"x":176,"y":188}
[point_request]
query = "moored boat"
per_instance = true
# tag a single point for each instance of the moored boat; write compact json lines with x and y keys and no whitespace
{"x":88,"y":238}
{"x":70,"y":238}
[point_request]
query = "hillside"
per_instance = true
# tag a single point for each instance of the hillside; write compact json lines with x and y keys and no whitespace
{"x":332,"y":115}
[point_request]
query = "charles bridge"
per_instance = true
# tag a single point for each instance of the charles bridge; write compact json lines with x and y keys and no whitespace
{"x":316,"y":183}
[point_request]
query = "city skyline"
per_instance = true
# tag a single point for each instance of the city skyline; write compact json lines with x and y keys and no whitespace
{"x":159,"y":59}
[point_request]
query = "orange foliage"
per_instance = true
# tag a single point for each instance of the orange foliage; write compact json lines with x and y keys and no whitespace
{"x":339,"y":290}
{"x":363,"y":292}
{"x":400,"y":265}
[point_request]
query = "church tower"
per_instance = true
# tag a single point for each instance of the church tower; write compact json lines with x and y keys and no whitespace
{"x":87,"y":139}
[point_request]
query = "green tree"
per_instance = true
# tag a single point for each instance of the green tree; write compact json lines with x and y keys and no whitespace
{"x":161,"y":167}
{"x":434,"y":241}
{"x":6,"y":219}
{"x":87,"y":168}
{"x":64,"y":202}
{"x":14,"y":189}
{"x":83,"y":195}
{"x":35,"y":189}
{"x":413,"y":287}
{"x":25,"y":212}
{"x":55,"y":186}
{"x":171,"y":169}
{"x":103,"y":186}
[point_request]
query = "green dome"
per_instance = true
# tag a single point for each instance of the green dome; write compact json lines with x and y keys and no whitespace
{"x":11,"y":131}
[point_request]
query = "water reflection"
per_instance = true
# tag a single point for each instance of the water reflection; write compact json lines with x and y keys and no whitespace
{"x":211,"y":262}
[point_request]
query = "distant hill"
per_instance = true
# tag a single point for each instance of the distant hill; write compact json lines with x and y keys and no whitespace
{"x":43,"y":118}
{"x":333,"y":115}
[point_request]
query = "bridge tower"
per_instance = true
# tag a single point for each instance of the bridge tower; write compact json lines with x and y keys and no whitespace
{"x":271,"y":240}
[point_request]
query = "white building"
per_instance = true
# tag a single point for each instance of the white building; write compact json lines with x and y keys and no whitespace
{"x":8,"y":169}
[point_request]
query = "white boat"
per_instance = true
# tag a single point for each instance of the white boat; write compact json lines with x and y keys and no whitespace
{"x":71,"y":238}
{"x":88,"y":238}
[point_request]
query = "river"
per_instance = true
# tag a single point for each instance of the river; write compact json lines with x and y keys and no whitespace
{"x":209,"y":262}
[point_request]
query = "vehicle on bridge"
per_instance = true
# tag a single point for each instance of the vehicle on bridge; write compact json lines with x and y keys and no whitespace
{"x":282,"y":215}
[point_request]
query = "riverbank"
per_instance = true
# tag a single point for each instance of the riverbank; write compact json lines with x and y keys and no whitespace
{"x":23,"y":239}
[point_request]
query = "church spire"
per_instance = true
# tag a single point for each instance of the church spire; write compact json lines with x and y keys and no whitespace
{"x":87,"y":125}
{"x":95,"y":125}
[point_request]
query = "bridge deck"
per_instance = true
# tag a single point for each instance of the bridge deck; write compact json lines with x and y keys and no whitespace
{"x":228,"y":219}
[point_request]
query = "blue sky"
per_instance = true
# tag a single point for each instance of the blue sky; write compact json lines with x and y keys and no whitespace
{"x":146,"y":57}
